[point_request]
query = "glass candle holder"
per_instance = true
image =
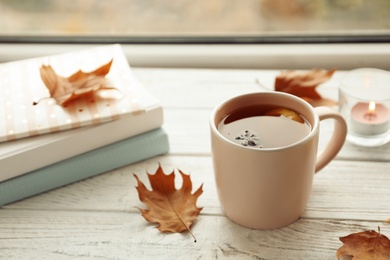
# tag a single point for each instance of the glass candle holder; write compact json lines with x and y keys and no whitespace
{"x":364,"y":101}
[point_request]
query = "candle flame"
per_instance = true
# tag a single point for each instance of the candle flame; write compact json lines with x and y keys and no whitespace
{"x":371,"y":107}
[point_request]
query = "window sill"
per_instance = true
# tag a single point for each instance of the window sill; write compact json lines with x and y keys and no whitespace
{"x":242,"y":56}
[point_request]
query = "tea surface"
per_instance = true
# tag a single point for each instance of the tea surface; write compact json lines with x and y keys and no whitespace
{"x":248,"y":127}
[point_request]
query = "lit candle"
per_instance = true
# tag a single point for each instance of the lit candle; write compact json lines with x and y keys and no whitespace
{"x":369,"y":118}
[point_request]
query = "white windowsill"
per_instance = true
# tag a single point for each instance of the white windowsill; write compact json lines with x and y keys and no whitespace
{"x":269,"y":56}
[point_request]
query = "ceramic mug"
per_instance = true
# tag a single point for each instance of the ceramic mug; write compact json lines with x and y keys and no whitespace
{"x":269,"y":188}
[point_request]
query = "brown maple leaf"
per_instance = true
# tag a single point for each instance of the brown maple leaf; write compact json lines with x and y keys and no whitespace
{"x":174,"y":210}
{"x":366,"y":245}
{"x":303,"y":84}
{"x":67,"y":89}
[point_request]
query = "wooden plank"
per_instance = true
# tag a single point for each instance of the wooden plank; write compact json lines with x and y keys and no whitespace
{"x":205,"y":88}
{"x":37,"y":234}
{"x":342,"y":190}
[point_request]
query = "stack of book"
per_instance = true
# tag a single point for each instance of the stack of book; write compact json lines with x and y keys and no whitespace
{"x":46,"y":145}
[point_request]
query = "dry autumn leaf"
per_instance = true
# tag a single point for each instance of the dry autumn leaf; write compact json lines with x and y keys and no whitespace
{"x":303,"y":84}
{"x":174,"y":210}
{"x":366,"y":245}
{"x":80,"y":84}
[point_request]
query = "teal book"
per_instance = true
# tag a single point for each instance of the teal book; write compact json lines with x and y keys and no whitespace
{"x":106,"y":158}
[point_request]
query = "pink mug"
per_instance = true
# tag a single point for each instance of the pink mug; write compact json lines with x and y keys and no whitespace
{"x":270,"y":187}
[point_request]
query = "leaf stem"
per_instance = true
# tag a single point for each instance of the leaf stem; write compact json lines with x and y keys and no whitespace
{"x":182,"y":221}
{"x":36,"y":102}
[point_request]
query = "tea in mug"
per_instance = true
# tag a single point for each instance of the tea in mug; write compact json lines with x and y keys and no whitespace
{"x":264,"y":127}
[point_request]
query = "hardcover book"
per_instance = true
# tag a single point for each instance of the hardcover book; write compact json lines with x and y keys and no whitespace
{"x":109,"y":157}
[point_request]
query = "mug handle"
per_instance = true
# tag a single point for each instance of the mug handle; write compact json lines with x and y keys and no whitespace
{"x":337,"y":140}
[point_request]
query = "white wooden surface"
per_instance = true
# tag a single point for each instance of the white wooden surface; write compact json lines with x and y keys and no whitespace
{"x":97,"y":219}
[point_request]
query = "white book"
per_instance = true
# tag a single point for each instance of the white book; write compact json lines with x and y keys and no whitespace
{"x":35,"y":136}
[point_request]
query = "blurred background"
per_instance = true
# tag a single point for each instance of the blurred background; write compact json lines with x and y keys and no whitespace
{"x":194,"y":19}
